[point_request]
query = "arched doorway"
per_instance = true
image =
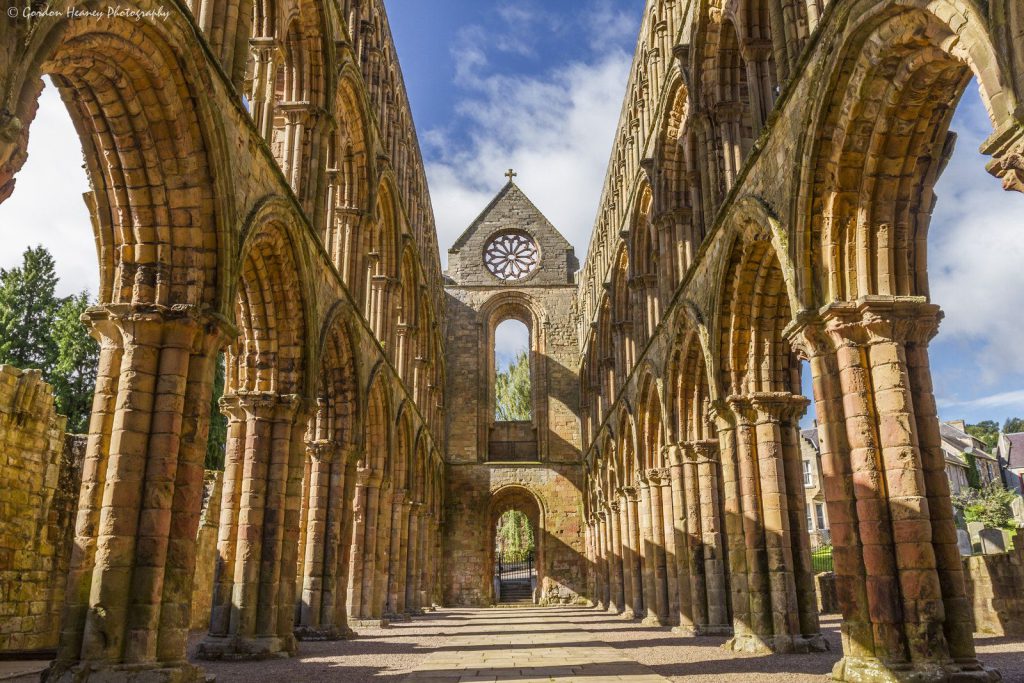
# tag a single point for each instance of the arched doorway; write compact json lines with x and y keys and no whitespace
{"x":515,"y":531}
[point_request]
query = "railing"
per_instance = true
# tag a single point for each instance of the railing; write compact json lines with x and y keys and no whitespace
{"x":821,"y":558}
{"x":517,"y":571}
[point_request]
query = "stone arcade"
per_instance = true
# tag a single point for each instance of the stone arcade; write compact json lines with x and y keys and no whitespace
{"x":257,"y":194}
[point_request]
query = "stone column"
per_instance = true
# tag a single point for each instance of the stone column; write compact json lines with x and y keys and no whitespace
{"x":902,"y":602}
{"x":385,"y":517}
{"x":412,"y":573}
{"x":253,"y":611}
{"x":321,"y":606}
{"x":616,"y":600}
{"x":707,"y":530}
{"x":399,"y":545}
{"x":647,"y":553}
{"x":130,"y":575}
{"x":787,"y":543}
{"x":600,"y":560}
{"x":357,"y":543}
{"x":690,"y":609}
{"x":672,"y":549}
{"x":631,"y":561}
{"x":422,"y":582}
{"x":657,"y":613}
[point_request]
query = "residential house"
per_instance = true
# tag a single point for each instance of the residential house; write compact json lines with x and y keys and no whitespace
{"x":1010,"y":453}
{"x":817,"y":515}
{"x":959,"y":448}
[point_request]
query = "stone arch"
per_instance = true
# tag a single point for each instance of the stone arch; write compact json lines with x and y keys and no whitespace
{"x":349,"y":170}
{"x":622,"y":331}
{"x":380,"y":244}
{"x":882,"y":142}
{"x":141,"y":127}
{"x":522,"y":498}
{"x":270,"y":352}
{"x":407,"y":323}
{"x":519,"y":306}
{"x":644,"y":261}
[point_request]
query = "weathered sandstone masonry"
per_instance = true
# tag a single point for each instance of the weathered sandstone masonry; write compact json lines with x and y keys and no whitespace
{"x":40,"y":472}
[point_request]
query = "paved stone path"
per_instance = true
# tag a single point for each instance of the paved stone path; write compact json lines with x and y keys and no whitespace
{"x":526,"y":645}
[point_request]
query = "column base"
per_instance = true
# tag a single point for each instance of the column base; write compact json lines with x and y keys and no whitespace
{"x":688,"y":631}
{"x":323,"y":633}
{"x":391,"y":618}
{"x":237,"y":648}
{"x":872,"y":670}
{"x":628,"y":614}
{"x":379,"y":622}
{"x":785,"y":644}
{"x":654,"y":620}
{"x":714,"y":630}
{"x":79,"y":672}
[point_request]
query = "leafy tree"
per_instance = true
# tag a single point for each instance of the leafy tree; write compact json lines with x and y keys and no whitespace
{"x":218,"y":423}
{"x":73,"y":376}
{"x":512,"y":390}
{"x":1013,"y":424}
{"x":987,"y":431}
{"x":514,"y":539}
{"x":989,"y":505}
{"x":28,"y":305}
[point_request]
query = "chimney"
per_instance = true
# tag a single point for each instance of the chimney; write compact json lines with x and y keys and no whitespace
{"x":958,"y":424}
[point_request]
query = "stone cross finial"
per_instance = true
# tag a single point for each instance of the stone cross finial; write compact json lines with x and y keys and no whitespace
{"x":510,"y":174}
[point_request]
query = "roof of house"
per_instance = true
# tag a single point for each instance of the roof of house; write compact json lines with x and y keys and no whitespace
{"x":812,"y":437}
{"x":963,"y":441}
{"x":1015,"y":451}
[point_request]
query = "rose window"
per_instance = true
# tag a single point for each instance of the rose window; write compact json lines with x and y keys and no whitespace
{"x":511,"y":256}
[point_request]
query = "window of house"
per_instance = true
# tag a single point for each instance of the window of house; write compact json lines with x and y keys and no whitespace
{"x":819,"y":513}
{"x":808,"y":474}
{"x":810,"y":519}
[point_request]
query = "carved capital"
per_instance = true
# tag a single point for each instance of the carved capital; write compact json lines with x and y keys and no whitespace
{"x":778,"y":406}
{"x":322,"y":451}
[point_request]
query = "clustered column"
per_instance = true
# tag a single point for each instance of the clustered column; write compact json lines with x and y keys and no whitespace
{"x":324,"y":570}
{"x":130,"y":580}
{"x":254,"y":582}
{"x":773,"y":596}
{"x":900,"y":584}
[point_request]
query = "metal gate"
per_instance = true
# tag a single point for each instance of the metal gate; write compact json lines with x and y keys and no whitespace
{"x":515,"y":571}
{"x":515,"y":579}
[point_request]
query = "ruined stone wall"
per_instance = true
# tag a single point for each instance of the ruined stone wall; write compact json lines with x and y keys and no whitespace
{"x":206,"y":549}
{"x":995,"y":587}
{"x":40,"y":475}
{"x":474,"y":501}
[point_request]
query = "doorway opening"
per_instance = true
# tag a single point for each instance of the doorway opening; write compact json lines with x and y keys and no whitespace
{"x":515,"y":573}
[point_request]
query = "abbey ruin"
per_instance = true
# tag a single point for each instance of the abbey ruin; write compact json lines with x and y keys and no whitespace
{"x":258,"y":194}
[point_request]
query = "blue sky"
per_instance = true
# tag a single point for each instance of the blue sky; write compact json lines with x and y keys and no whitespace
{"x":538,"y":86}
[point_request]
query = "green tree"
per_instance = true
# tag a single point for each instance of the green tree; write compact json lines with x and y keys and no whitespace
{"x":987,"y":431}
{"x":989,"y":505}
{"x":512,"y":390}
{"x":28,"y":306}
{"x":73,"y":376}
{"x":514,"y":539}
{"x":218,"y":423}
{"x":1013,"y":425}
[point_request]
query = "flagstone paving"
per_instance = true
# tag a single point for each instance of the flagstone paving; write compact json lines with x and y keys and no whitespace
{"x":527,"y":645}
{"x":554,"y":645}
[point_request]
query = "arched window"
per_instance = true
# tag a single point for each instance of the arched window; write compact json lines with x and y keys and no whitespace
{"x":513,"y":397}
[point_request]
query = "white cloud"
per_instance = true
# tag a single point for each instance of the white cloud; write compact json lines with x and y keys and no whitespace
{"x":976,"y":253}
{"x":1003,"y":399}
{"x":47,"y":206}
{"x":555,"y":130}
